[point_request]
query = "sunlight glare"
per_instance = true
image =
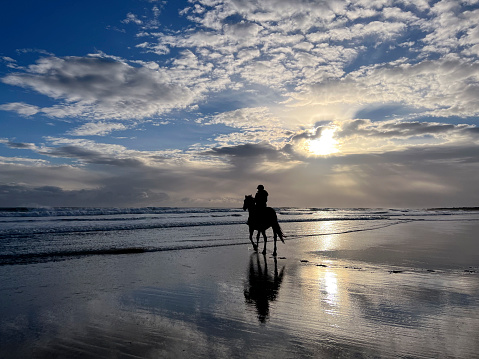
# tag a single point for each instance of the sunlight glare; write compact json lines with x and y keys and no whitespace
{"x":325,"y":144}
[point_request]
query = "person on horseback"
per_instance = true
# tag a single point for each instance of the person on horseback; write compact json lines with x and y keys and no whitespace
{"x":261,"y":218}
{"x":261,"y":197}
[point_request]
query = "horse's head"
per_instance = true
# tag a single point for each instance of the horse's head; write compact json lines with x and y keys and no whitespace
{"x":248,"y":202}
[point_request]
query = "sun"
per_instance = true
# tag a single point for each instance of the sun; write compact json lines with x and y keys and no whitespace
{"x":325,"y":144}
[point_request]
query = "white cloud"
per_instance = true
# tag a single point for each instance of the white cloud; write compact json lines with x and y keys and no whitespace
{"x":437,"y":88}
{"x":302,"y":43}
{"x":132,"y":18}
{"x":399,"y":14}
{"x":449,"y":28}
{"x":21,"y":108}
{"x":99,"y":128}
{"x":35,"y":162}
{"x":269,"y":43}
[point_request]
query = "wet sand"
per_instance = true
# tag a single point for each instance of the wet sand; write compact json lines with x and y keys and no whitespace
{"x":404,"y":291}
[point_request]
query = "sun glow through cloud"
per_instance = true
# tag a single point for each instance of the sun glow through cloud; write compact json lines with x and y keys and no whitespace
{"x":325,"y":145}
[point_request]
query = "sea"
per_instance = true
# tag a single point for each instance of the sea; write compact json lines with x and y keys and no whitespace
{"x":187,"y":283}
{"x":35,"y":235}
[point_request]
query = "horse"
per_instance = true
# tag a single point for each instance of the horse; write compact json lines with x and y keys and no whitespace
{"x":260,"y":219}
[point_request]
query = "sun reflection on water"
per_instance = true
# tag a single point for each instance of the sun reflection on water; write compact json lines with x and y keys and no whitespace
{"x":326,"y":240}
{"x":327,"y":294}
{"x":329,"y":286}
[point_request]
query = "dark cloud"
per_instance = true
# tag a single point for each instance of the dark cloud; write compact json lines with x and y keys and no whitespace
{"x":247,"y":150}
{"x":438,"y":154}
{"x":418,"y":177}
{"x":308,"y":135}
{"x":352,"y":128}
{"x":400,"y":129}
{"x":20,"y":145}
{"x":90,"y":156}
{"x":413,"y":129}
{"x":21,"y":195}
{"x":472,"y":130}
{"x":249,"y":158}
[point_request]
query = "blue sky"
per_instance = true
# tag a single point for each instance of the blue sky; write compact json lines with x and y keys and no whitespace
{"x":194,"y":103}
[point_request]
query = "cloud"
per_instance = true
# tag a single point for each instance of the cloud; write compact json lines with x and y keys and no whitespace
{"x":313,"y":41}
{"x":272,"y":44}
{"x":304,"y":43}
{"x":96,"y":155}
{"x":34,"y":162}
{"x":247,"y":150}
{"x":245,"y":118}
{"x":449,"y":28}
{"x":132,"y":18}
{"x":19,"y":145}
{"x":99,"y":128}
{"x":254,"y":124}
{"x":101,"y":88}
{"x":90,"y":156}
{"x":7,"y":59}
{"x":392,"y":129}
{"x":21,"y":108}
{"x":437,"y":88}
{"x":432,"y":175}
{"x":377,"y":29}
{"x":20,"y":195}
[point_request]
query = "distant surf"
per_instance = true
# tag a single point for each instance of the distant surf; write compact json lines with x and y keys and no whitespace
{"x":34,"y":235}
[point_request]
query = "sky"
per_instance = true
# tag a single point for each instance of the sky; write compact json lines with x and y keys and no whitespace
{"x":327,"y":103}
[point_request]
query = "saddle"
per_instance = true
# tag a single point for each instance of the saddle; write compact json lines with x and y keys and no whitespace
{"x":260,"y":215}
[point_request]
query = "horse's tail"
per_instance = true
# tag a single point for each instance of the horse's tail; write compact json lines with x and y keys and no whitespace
{"x":273,"y":221}
{"x":277,"y":229}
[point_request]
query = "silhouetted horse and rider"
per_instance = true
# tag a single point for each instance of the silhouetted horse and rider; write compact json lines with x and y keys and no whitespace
{"x":261,"y":218}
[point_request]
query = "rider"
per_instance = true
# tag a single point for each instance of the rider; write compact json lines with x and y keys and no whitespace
{"x":261,"y":197}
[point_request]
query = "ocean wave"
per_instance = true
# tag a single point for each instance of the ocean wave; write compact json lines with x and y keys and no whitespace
{"x":102,"y":227}
{"x":33,"y":258}
{"x":31,"y":235}
{"x":107,"y":226}
{"x":188,"y":211}
{"x":96,"y":211}
{"x":42,"y":254}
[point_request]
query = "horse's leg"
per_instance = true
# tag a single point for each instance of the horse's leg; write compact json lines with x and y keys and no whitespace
{"x":255,"y":246}
{"x":265,"y":241}
{"x":275,"y":237}
{"x":257,"y":238}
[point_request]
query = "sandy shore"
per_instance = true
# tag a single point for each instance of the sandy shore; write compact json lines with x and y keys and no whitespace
{"x":410,"y":290}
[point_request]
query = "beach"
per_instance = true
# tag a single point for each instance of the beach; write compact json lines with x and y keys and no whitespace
{"x":389,"y":286}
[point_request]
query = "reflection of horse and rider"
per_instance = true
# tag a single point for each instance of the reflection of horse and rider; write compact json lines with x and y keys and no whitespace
{"x":261,"y":218}
{"x":262,"y":288}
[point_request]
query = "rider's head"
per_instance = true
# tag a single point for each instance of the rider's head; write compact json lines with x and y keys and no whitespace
{"x":260,"y":187}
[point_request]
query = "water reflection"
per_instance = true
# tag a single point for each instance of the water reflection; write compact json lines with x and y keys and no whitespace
{"x":329,"y":285}
{"x":261,"y":287}
{"x":325,"y":233}
{"x":327,"y":241}
{"x":325,"y":295}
